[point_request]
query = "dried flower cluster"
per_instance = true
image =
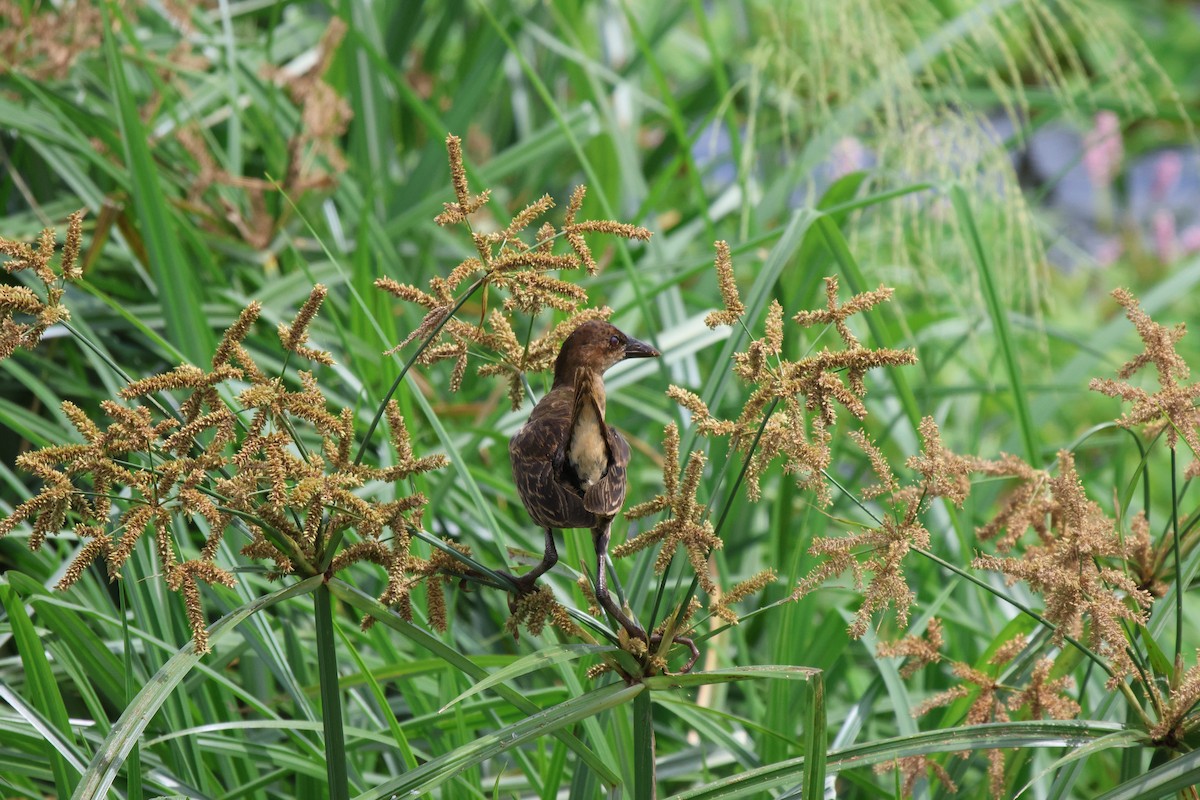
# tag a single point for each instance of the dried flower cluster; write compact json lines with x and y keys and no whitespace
{"x":881,"y":551}
{"x":793,"y":403}
{"x":278,"y":467}
{"x":314,"y":158}
{"x":1176,"y":717}
{"x":992,"y":700}
{"x":1067,"y":568}
{"x":1172,"y":409}
{"x":687,"y":526}
{"x":25,"y":316}
{"x":522,"y":269}
{"x":43,"y":40}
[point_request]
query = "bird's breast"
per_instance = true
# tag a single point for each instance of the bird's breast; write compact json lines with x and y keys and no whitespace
{"x":588,"y":450}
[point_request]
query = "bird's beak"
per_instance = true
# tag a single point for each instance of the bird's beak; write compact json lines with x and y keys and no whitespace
{"x":637,"y":349}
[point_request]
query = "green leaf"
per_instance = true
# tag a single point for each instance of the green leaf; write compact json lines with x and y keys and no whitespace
{"x":441,"y":769}
{"x":174,"y":276}
{"x":124,"y":735}
{"x":1176,"y":775}
{"x":1008,"y":348}
{"x":41,"y":687}
{"x":789,"y":773}
{"x":530,"y":663}
{"x":731,"y":675}
{"x":643,"y":748}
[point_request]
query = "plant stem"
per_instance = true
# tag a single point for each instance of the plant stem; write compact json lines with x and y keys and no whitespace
{"x":362,"y":448}
{"x":644,"y":783}
{"x":331,"y":696}
{"x":1179,"y":587}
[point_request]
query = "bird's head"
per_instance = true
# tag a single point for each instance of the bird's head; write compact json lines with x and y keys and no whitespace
{"x":597,"y":345}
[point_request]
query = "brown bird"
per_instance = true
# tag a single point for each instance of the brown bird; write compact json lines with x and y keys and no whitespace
{"x":569,"y":466}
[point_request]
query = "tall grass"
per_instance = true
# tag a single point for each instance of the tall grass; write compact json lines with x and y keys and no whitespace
{"x":249,"y":151}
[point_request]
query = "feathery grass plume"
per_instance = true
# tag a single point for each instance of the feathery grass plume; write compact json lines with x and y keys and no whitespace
{"x":734,"y":308}
{"x":24,"y":316}
{"x":1143,"y":560}
{"x":1026,"y":505}
{"x":1042,"y":697}
{"x":206,"y":470}
{"x":920,"y":649}
{"x":686,"y":525}
{"x":535,"y":609}
{"x":821,"y":60}
{"x":43,"y":41}
{"x":1172,"y":408}
{"x":1067,"y":568}
{"x":1176,"y":718}
{"x":506,"y":261}
{"x":911,"y":768}
{"x":751,"y":586}
{"x":881,"y":551}
{"x":792,"y":404}
{"x":294,"y":336}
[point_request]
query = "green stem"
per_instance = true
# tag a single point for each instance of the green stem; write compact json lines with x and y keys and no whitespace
{"x":737,"y":484}
{"x":362,"y":449}
{"x":644,"y":784}
{"x":1179,"y":587}
{"x":331,"y":696}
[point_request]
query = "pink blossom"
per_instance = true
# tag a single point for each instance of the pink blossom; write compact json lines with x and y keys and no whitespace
{"x":1103,"y":149}
{"x":1164,"y":235}
{"x":1167,"y":170}
{"x":1189,"y":240}
{"x":848,"y":155}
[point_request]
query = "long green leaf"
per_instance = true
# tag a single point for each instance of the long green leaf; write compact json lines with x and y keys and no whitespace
{"x":176,"y":279}
{"x":1176,"y":775}
{"x":530,"y":663}
{"x":390,"y":618}
{"x":1008,"y":349}
{"x":789,"y":773}
{"x":40,"y":684}
{"x":441,"y":769}
{"x":121,"y":739}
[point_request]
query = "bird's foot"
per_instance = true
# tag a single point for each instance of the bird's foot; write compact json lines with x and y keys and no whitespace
{"x":657,"y":639}
{"x":522,"y":584}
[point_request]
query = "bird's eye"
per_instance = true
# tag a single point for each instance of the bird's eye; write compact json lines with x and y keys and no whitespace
{"x":614,"y":341}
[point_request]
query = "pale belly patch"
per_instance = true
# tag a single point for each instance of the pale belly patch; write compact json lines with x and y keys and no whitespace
{"x":588,"y":453}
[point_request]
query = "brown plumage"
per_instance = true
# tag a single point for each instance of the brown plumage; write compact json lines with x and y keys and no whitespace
{"x":568,"y":464}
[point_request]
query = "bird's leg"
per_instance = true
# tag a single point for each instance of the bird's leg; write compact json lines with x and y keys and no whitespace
{"x":549,"y":559}
{"x":600,"y":540}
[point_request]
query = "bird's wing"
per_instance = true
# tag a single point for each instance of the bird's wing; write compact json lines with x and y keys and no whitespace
{"x":533,"y":451}
{"x":607,"y":495}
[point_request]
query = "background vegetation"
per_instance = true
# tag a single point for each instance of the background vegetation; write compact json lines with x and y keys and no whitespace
{"x":244,"y":151}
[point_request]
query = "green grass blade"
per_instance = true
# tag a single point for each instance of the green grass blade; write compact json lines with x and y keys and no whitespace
{"x":1008,"y":348}
{"x":433,"y":773}
{"x":789,"y":773}
{"x":1162,"y":781}
{"x":816,"y":739}
{"x":530,"y":663}
{"x":173,"y":275}
{"x":730,"y":675}
{"x":40,"y":684}
{"x":643,"y":748}
{"x":331,"y":695}
{"x":124,"y":735}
